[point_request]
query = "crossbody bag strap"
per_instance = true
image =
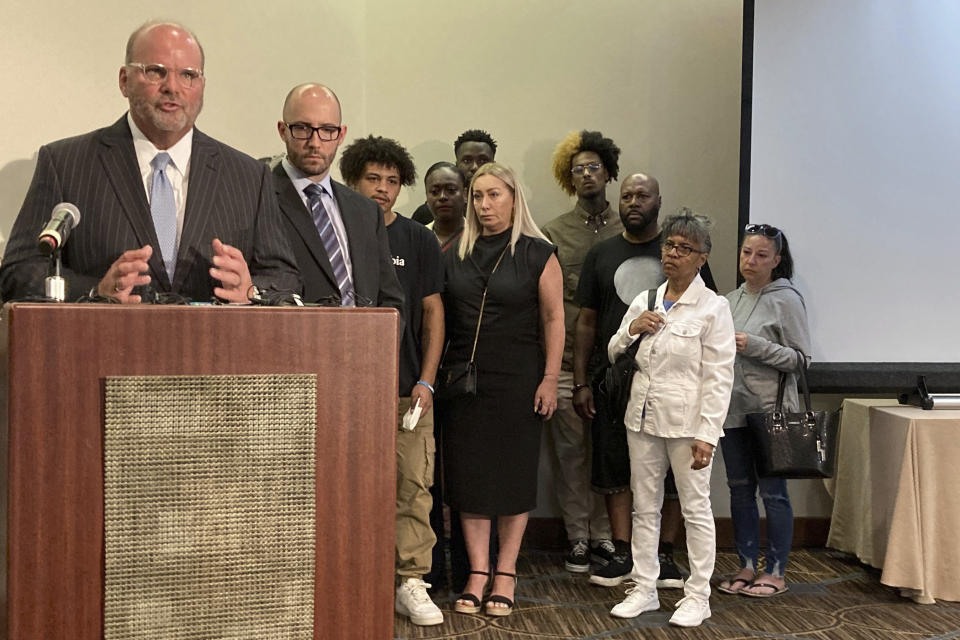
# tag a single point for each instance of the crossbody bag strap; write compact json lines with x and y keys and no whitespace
{"x":651,"y":303}
{"x":483,"y":302}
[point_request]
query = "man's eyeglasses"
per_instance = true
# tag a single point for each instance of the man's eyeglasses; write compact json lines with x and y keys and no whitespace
{"x":157,"y":73}
{"x":580,"y":169}
{"x":683,"y":250}
{"x":761,"y":229}
{"x":303,"y":131}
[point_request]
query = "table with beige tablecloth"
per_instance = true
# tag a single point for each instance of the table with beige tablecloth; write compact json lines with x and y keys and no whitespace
{"x":896,"y":495}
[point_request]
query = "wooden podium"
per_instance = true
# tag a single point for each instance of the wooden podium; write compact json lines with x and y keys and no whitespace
{"x":55,"y":362}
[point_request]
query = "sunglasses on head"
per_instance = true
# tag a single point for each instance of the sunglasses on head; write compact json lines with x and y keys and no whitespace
{"x":761,"y":229}
{"x":767,"y":231}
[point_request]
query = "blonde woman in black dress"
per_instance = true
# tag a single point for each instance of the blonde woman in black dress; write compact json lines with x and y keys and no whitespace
{"x":491,"y":440}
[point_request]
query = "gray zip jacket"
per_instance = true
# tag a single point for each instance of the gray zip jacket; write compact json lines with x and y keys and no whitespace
{"x":775,"y":321}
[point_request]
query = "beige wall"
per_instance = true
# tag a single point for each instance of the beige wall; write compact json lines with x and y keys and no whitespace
{"x":661,"y":78}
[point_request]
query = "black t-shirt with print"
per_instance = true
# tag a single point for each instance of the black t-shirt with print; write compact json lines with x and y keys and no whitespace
{"x":615,"y":272}
{"x":416,"y":259}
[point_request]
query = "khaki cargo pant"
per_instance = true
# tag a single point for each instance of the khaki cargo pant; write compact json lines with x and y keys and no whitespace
{"x":415,"y":455}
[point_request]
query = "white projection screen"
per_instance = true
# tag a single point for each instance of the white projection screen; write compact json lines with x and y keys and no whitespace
{"x":854,"y":150}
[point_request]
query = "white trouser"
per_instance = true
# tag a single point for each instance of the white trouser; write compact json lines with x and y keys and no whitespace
{"x":649,"y":458}
{"x":584,"y":512}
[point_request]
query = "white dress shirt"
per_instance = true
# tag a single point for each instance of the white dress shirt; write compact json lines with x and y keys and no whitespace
{"x":178,"y":169}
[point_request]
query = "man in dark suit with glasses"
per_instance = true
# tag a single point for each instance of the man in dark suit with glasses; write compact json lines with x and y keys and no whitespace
{"x":337,"y":235}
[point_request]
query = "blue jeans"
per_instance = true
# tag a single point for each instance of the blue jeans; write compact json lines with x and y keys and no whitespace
{"x":740,"y":457}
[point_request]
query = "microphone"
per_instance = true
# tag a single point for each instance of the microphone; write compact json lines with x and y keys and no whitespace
{"x":64,"y":218}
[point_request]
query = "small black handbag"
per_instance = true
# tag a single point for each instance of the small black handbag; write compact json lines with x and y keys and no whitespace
{"x":613,"y":382}
{"x":796,"y":445}
{"x":457,"y":379}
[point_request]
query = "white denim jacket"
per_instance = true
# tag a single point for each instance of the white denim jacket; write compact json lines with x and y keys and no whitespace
{"x":686,"y":368}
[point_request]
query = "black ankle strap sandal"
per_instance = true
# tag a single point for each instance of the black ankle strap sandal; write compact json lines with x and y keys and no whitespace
{"x":504,"y":600}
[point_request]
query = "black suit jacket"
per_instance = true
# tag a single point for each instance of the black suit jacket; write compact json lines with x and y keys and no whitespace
{"x":374,"y":278}
{"x":229,"y":196}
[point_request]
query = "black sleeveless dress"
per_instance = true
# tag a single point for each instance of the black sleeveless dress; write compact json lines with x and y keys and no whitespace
{"x":491,"y":441}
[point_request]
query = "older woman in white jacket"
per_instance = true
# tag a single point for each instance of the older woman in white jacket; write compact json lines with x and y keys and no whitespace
{"x":678,"y":401}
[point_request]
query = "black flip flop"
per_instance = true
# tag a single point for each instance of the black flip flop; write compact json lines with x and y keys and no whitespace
{"x":733,"y":582}
{"x":776,"y":590}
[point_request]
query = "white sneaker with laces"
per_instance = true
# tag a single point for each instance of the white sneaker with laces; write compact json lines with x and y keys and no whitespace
{"x":636,"y":602}
{"x":691,"y":612}
{"x":414,"y":602}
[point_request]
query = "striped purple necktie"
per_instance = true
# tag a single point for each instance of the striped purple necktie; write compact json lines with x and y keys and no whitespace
{"x":330,"y":241}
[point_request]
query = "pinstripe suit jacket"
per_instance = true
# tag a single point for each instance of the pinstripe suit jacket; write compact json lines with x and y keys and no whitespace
{"x":374,"y":277}
{"x":230,"y":196}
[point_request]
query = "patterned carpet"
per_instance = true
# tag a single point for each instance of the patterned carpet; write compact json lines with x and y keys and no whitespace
{"x":831,"y":597}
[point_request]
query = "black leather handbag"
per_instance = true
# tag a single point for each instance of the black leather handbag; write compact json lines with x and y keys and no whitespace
{"x":457,"y":379}
{"x":796,"y":445}
{"x":613,"y":383}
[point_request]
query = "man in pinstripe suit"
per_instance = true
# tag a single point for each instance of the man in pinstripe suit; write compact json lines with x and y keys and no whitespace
{"x":201,"y":222}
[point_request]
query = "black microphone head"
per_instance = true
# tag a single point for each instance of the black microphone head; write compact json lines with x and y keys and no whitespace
{"x":47,"y":244}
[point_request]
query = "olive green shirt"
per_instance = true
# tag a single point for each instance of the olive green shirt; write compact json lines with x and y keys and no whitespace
{"x":574,"y":236}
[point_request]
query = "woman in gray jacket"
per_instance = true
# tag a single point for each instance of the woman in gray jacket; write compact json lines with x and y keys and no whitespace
{"x":770,"y":320}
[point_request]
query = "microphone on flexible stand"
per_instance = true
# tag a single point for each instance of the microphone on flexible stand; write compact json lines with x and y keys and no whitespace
{"x":64,"y":218}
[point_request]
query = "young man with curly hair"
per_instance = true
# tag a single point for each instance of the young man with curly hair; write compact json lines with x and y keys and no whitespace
{"x":584,"y":162}
{"x":378,"y":168}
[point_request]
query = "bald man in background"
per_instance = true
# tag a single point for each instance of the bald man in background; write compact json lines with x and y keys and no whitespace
{"x":337,"y":235}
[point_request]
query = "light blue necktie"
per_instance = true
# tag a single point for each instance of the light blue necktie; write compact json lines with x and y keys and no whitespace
{"x":330,"y":241}
{"x":163,"y":208}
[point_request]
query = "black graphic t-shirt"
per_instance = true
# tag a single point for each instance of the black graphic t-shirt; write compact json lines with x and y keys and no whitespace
{"x":416,"y":259}
{"x":615,"y":272}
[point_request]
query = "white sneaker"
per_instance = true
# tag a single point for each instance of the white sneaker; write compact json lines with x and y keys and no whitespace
{"x":691,"y":612}
{"x":414,"y":602}
{"x":636,"y":602}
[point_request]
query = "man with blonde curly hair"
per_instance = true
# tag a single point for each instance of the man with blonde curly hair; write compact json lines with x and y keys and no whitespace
{"x":584,"y":162}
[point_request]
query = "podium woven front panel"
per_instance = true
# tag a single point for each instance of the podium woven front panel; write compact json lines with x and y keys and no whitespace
{"x":209,"y":507}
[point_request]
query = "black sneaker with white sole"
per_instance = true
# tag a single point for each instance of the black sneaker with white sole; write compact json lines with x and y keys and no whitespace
{"x":670,"y":576}
{"x":601,"y":552}
{"x":578,"y":558}
{"x":618,"y":569}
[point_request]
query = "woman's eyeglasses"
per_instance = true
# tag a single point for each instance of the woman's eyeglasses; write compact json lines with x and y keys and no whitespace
{"x":682,"y":250}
